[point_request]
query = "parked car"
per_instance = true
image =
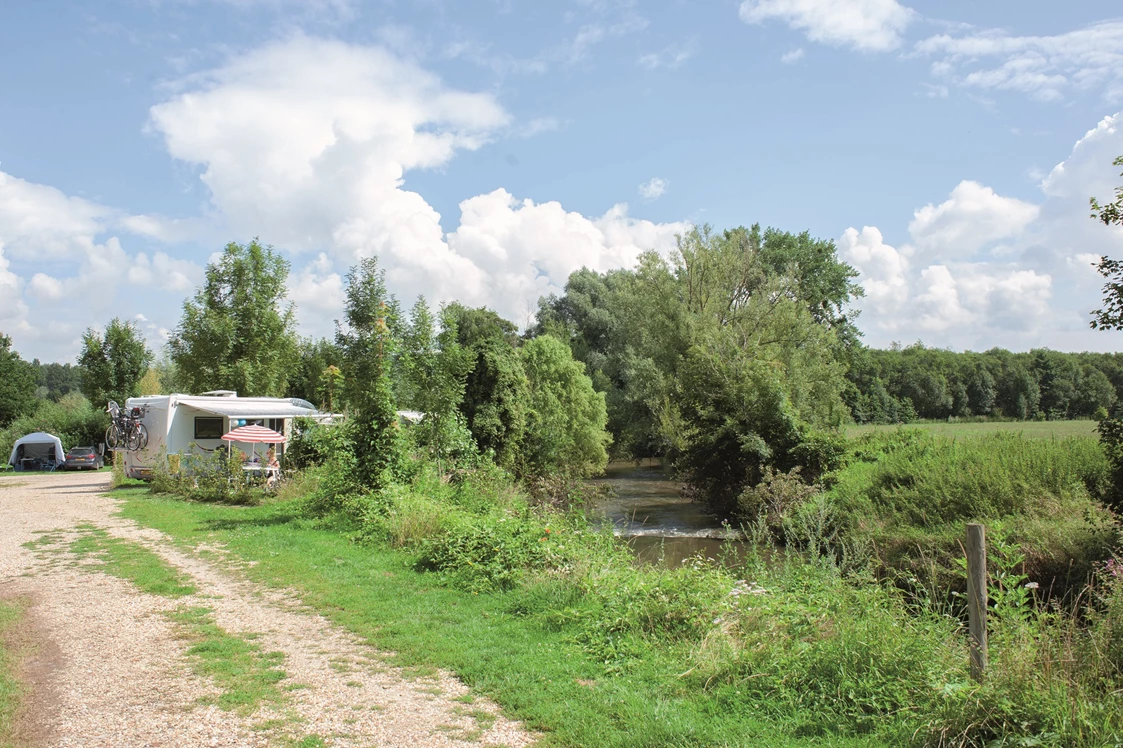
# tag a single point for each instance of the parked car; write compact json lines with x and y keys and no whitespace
{"x":82,"y":457}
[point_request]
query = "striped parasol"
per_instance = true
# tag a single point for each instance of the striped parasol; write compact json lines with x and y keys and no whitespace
{"x":254,"y":435}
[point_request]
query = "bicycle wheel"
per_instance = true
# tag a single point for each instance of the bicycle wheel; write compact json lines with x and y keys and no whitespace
{"x":141,"y":436}
{"x":113,"y":436}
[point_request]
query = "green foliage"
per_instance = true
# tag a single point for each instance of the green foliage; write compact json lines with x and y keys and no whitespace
{"x":17,"y":384}
{"x":910,"y":492}
{"x":211,"y":478}
{"x":237,"y":334}
{"x":72,"y":419}
{"x":55,"y":380}
{"x":318,"y":378}
{"x":940,"y":384}
{"x":496,"y":400}
{"x":313,"y":443}
{"x":434,"y":371}
{"x":566,"y":424}
{"x":113,"y":363}
{"x":368,"y":346}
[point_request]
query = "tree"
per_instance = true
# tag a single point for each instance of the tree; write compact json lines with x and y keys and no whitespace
{"x":237,"y":333}
{"x":113,"y":363}
{"x":566,"y":425}
{"x":496,"y":391}
{"x":316,"y":356}
{"x":368,"y":348}
{"x":435,"y":368}
{"x":17,"y":384}
{"x":331,"y":383}
{"x":1110,"y":317}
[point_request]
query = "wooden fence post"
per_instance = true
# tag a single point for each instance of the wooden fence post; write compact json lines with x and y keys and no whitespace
{"x":976,"y":548}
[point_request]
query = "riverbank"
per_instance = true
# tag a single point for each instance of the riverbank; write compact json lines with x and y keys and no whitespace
{"x":548,"y":653}
{"x":556,"y":622}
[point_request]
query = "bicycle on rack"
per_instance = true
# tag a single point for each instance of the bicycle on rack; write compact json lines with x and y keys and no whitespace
{"x":125,"y":428}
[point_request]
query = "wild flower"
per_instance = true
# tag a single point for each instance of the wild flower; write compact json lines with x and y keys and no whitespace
{"x":1031,"y":585}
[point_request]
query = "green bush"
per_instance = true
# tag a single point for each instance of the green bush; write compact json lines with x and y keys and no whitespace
{"x":211,"y":478}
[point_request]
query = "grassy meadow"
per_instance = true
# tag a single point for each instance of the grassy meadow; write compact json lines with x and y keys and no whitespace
{"x":1028,"y":429}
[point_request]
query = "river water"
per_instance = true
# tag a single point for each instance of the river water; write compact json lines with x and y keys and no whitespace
{"x":661,"y":525}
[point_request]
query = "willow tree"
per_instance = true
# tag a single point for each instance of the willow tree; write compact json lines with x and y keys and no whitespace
{"x":238,"y":333}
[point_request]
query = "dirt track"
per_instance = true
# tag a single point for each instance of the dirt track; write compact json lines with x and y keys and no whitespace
{"x":109,"y":668}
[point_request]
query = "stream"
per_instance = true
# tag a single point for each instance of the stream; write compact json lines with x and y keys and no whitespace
{"x":659,"y":524}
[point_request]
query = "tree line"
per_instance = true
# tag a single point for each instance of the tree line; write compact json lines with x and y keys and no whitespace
{"x":904,"y":384}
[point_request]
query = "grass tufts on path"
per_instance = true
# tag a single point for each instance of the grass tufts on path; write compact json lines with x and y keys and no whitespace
{"x":10,"y":688}
{"x":131,"y":561}
{"x":247,"y":676}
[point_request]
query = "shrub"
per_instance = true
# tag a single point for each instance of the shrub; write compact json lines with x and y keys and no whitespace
{"x":204,"y":477}
{"x":775,"y":497}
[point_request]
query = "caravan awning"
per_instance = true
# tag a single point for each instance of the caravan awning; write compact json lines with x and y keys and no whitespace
{"x":247,"y":408}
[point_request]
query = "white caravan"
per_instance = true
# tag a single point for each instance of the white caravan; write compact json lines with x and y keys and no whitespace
{"x":194,"y":424}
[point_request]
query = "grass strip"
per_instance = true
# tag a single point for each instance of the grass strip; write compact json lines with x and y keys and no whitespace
{"x":535,"y":669}
{"x":131,"y":561}
{"x":10,"y":688}
{"x":247,"y":675}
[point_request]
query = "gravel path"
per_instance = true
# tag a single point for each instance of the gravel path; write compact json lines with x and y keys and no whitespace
{"x":111,"y":670}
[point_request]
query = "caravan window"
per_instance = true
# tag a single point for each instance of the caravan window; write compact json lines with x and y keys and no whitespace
{"x":208,"y":428}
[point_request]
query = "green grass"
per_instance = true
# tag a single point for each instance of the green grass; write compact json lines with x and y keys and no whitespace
{"x":247,"y":676}
{"x":10,"y":687}
{"x":132,"y":562}
{"x":1029,"y":429}
{"x":534,"y":666}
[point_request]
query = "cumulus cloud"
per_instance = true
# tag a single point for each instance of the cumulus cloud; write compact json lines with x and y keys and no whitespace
{"x":307,"y":143}
{"x":864,"y":25}
{"x":653,"y":188}
{"x":982,"y":269}
{"x":1047,"y":68}
{"x":62,"y":266}
{"x":525,"y":250}
{"x":972,"y":217}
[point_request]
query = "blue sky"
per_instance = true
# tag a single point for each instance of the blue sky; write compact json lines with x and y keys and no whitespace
{"x":485,"y":150}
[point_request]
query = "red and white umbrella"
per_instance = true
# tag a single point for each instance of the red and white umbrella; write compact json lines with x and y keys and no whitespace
{"x":254,"y":435}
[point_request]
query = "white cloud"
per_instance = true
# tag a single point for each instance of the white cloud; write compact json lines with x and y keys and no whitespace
{"x":864,"y":25}
{"x":1047,"y":68}
{"x":971,"y":217}
{"x":1029,"y":280}
{"x":792,"y":56}
{"x":306,"y":143}
{"x":884,"y":270}
{"x":653,"y":188}
{"x":671,"y":57}
{"x":13,"y":310}
{"x":525,"y":250}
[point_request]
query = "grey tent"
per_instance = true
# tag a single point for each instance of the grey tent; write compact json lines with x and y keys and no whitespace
{"x":35,"y":451}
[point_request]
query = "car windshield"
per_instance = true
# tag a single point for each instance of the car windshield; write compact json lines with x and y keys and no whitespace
{"x":81,"y":451}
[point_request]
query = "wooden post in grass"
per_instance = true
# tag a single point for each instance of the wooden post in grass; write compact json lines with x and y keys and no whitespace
{"x":976,"y":548}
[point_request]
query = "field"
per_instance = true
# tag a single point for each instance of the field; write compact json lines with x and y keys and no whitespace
{"x":1030,"y":429}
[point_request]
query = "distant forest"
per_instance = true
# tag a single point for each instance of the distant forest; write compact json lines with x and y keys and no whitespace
{"x":899,"y":385}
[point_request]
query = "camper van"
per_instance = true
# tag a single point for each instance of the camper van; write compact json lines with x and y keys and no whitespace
{"x":186,"y":424}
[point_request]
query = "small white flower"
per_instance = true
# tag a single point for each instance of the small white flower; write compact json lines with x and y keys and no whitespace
{"x":1031,"y":585}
